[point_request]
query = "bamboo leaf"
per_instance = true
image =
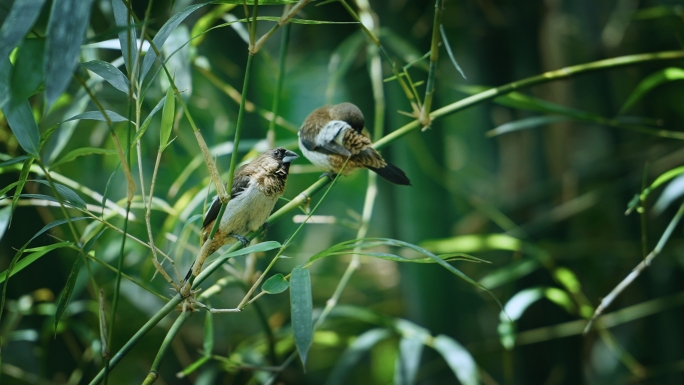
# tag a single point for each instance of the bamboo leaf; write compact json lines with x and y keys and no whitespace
{"x":68,"y":290}
{"x":354,"y":353}
{"x":450,"y":52}
{"x":18,"y":113}
{"x":408,"y":360}
{"x":69,"y":195}
{"x":27,"y":73}
{"x":83,"y":151}
{"x":109,"y":73}
{"x":5,"y":215}
{"x":168,"y":115}
{"x":17,"y":265}
{"x":15,"y":160}
{"x":513,"y":310}
{"x":301,"y":308}
{"x":147,"y":121}
{"x":522,"y":101}
{"x":276,"y":284}
{"x":121,"y":18}
{"x":65,"y":33}
{"x":23,"y":177}
{"x":458,"y":358}
{"x":304,"y":21}
{"x":523,"y":124}
{"x":164,"y":33}
{"x":261,"y":2}
{"x":651,"y":82}
{"x":19,"y":21}
{"x":97,"y":115}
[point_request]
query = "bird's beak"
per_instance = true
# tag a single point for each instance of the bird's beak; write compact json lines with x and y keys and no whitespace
{"x":289,"y":156}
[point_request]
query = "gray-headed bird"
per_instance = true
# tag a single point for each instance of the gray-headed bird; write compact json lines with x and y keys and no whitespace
{"x":331,"y":134}
{"x":255,"y":191}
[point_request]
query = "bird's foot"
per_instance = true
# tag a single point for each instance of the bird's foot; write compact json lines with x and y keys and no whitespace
{"x":330,"y":175}
{"x":242,"y":239}
{"x":265,"y":227}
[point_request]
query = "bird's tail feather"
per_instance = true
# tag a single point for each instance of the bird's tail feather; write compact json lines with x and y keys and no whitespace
{"x":393,"y":174}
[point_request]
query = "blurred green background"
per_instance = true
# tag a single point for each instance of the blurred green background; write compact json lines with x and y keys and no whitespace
{"x":543,"y":199}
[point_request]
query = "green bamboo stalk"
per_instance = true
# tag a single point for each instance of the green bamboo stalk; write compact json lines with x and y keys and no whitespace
{"x":153,"y":375}
{"x":434,"y":57}
{"x":563,"y":73}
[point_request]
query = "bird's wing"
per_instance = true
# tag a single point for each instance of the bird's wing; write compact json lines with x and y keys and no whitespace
{"x":330,"y":139}
{"x":240,"y":183}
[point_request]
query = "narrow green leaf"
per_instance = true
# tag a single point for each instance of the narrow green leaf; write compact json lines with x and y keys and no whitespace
{"x":5,"y":215}
{"x":522,"y":101}
{"x":27,"y":73}
{"x":67,"y":194}
{"x":354,"y":353}
{"x":18,"y":265}
{"x":473,"y":243}
{"x":18,"y":159}
{"x":65,"y":33}
{"x":450,"y":52}
{"x":19,"y":21}
{"x":408,"y":360}
{"x":7,"y":188}
{"x":513,"y":310}
{"x":651,"y":82}
{"x":97,"y":115}
{"x":18,"y":113}
{"x":68,"y":290}
{"x":276,"y":284}
{"x":23,"y":177}
{"x":44,"y":197}
{"x":523,"y":124}
{"x":168,"y":115}
{"x":560,"y":298}
{"x":304,"y":21}
{"x":261,"y":2}
{"x":258,"y":248}
{"x":208,"y":344}
{"x":82,"y":151}
{"x":458,"y":358}
{"x":164,"y":33}
{"x":301,"y":308}
{"x":121,"y":19}
{"x":147,"y":121}
{"x":109,"y":73}
{"x":510,"y":273}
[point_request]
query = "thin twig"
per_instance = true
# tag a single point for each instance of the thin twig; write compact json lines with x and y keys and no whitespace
{"x":636,"y":272}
